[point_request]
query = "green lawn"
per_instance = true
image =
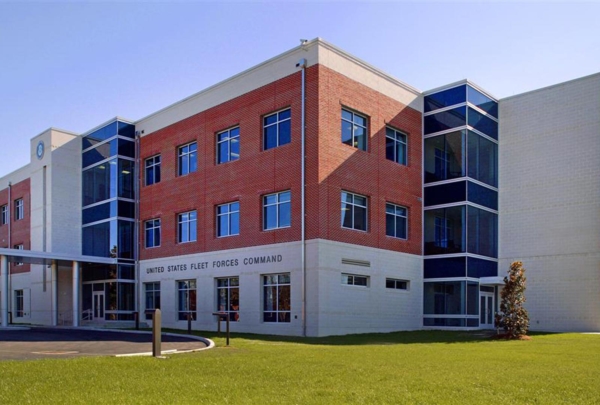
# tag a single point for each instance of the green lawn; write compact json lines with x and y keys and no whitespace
{"x":428,"y":367}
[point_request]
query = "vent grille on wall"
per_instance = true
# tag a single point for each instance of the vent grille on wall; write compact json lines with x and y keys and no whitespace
{"x":354,"y":262}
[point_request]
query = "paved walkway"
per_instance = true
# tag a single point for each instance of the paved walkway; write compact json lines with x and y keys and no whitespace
{"x":43,"y":343}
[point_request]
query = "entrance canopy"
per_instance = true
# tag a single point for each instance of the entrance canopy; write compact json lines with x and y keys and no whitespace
{"x":35,"y":257}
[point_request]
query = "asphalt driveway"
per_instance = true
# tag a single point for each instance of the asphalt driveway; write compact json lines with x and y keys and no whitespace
{"x":43,"y":343}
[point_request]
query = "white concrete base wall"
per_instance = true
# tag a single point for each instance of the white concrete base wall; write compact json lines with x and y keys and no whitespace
{"x":332,"y":308}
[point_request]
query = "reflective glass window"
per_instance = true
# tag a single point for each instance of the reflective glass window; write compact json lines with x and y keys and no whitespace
{"x":187,"y":227}
{"x":444,"y":230}
{"x":445,"y":267}
{"x":109,"y":239}
{"x":478,"y":268}
{"x":186,"y":299}
{"x":483,"y":159}
{"x":228,"y":219}
{"x":228,"y":297}
{"x":445,"y":156}
{"x":484,"y":102}
{"x":448,"y":119}
{"x":96,"y":271}
{"x":445,"y":193}
{"x":277,"y":298}
{"x":482,"y":233}
{"x":445,"y":98}
{"x":482,"y":195}
{"x":396,"y":221}
{"x":277,"y":210}
{"x":152,"y":170}
{"x":126,"y":129}
{"x":228,"y":145}
{"x":125,"y":296}
{"x":99,"y":153}
{"x":4,"y":216}
{"x":445,"y":298}
{"x":100,"y":135}
{"x":354,"y":211}
{"x":277,"y":129}
{"x":188,"y":158}
{"x":354,"y":129}
{"x":97,"y":184}
{"x":126,"y":178}
{"x":483,"y":124}
{"x":152,"y":297}
{"x":395,"y":146}
{"x":472,"y":298}
{"x":126,"y":148}
{"x":152,"y":232}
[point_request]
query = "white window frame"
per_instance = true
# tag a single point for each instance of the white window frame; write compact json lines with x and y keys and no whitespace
{"x":396,"y":138}
{"x":230,"y":212}
{"x":228,"y":140}
{"x":19,"y":303}
{"x":181,"y":155}
{"x":353,"y":280}
{"x":190,"y":304}
{"x":154,"y":293}
{"x":350,"y":206}
{"x":185,"y":218}
{"x":153,"y":163}
{"x":155,"y":224}
{"x":279,"y":313}
{"x":5,"y":215}
{"x":354,"y":124}
{"x":277,"y":123}
{"x":225,"y":291}
{"x":397,"y":284}
{"x":19,"y":209}
{"x":396,"y":215}
{"x":278,"y":206}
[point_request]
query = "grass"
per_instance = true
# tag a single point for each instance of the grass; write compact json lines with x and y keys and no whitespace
{"x":425,"y":367}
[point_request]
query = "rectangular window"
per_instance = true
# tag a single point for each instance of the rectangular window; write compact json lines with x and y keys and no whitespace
{"x":277,"y":210}
{"x":443,"y":230}
{"x":19,"y":247}
{"x":354,"y":211}
{"x":354,"y":129}
{"x":228,"y":297}
{"x":228,"y":219}
{"x":19,"y":304}
{"x":228,"y":145}
{"x":4,"y":215}
{"x":153,"y":170}
{"x":396,"y":222}
{"x":152,"y":297}
{"x":395,"y":146}
{"x":152,"y":233}
{"x":188,"y":158}
{"x":19,"y":209}
{"x":186,"y":227}
{"x":277,"y":129}
{"x":353,"y":279}
{"x":277,"y":298}
{"x":186,"y":302}
{"x":396,"y":284}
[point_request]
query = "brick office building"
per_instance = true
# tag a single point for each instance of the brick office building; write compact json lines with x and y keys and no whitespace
{"x":392,"y":221}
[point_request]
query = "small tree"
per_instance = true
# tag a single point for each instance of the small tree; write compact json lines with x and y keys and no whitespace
{"x":513,"y":316}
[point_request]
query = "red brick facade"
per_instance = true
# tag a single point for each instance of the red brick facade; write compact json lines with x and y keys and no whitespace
{"x":20,"y":230}
{"x":331,"y":167}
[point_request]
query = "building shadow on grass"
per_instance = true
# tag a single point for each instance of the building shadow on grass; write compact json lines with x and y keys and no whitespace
{"x":392,"y":338}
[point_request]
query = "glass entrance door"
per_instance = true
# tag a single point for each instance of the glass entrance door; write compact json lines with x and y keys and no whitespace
{"x":98,"y":306}
{"x":486,"y":310}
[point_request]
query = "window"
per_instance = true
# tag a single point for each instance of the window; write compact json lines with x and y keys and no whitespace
{"x":186,"y":299}
{"x":353,"y":279}
{"x":153,"y":233}
{"x":277,"y":129}
{"x":152,"y":297}
{"x":19,"y":304}
{"x":354,"y":211}
{"x":395,"y":146}
{"x":19,"y":247}
{"x":228,"y":219}
{"x":153,"y":170}
{"x":277,"y":298}
{"x":443,"y":230}
{"x":4,"y":215}
{"x":277,"y":210}
{"x":228,"y":297}
{"x":442,"y":162}
{"x":395,"y":221}
{"x":188,"y":159}
{"x":354,"y":130}
{"x":228,"y":145}
{"x":19,"y":209}
{"x":396,"y":284}
{"x":187,"y":227}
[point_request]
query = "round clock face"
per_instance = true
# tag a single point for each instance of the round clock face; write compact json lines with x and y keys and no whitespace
{"x":40,"y":150}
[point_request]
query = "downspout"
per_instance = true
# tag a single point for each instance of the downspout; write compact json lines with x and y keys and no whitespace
{"x":9,"y":206}
{"x":302,"y":64}
{"x":136,"y":232}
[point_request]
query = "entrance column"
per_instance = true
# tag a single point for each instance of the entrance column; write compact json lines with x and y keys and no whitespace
{"x":4,"y":272}
{"x":75,"y":294}
{"x":54,"y":288}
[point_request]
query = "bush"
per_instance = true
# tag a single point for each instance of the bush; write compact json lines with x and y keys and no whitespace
{"x":513,"y":317}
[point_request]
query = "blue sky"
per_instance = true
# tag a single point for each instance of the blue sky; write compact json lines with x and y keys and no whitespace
{"x":74,"y":65}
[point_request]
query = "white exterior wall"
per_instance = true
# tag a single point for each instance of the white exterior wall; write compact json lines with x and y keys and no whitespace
{"x":550,"y":201}
{"x":332,"y":308}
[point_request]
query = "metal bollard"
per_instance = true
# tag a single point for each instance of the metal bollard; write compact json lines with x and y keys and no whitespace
{"x":156,"y":333}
